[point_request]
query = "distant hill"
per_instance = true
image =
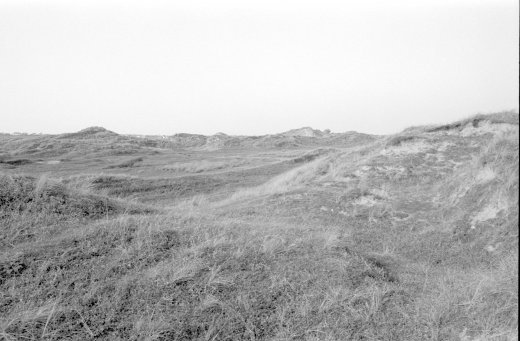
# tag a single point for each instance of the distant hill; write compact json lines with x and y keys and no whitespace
{"x":296,"y":138}
{"x":100,"y":141}
{"x":84,"y":142}
{"x":306,"y":132}
{"x":90,"y":132}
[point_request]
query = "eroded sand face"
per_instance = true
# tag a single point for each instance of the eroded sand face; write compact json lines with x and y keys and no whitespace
{"x":407,"y":148}
{"x":490,"y":211}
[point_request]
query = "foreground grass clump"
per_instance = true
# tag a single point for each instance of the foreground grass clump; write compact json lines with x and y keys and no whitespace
{"x":23,"y":193}
{"x":27,"y":204}
{"x":160,"y":278}
{"x":58,"y":287}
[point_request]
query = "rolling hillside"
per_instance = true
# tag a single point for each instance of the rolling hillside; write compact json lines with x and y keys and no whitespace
{"x":303,"y":235}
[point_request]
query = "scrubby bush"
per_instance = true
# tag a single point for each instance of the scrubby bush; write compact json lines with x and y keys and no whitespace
{"x":400,"y":139}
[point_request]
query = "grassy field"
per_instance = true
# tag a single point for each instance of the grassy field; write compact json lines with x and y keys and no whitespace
{"x":412,"y":236}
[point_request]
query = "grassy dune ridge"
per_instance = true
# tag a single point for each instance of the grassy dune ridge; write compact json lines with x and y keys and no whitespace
{"x":412,"y":236}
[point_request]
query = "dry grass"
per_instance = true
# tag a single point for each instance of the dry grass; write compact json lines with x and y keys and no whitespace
{"x":291,"y":180}
{"x":481,"y":305}
{"x":268,"y":262}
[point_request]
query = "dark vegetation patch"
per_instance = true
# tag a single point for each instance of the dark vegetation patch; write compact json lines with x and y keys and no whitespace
{"x":119,"y":150}
{"x":400,"y":139}
{"x":127,"y":164}
{"x":380,"y":268}
{"x":177,"y":187}
{"x":458,"y":125}
{"x":313,"y":155}
{"x":16,"y":162}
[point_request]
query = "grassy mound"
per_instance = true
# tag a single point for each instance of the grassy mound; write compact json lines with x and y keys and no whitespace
{"x":27,"y":194}
{"x":158,"y":278}
{"x":27,"y":204}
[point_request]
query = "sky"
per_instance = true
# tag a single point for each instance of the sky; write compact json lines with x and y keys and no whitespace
{"x":254,"y":67}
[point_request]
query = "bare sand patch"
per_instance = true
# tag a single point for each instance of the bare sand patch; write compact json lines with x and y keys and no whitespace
{"x":50,"y":162}
{"x":490,"y":211}
{"x":485,"y":175}
{"x":407,"y":148}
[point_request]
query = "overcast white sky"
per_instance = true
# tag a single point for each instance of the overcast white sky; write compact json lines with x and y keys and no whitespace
{"x":253,"y":67}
